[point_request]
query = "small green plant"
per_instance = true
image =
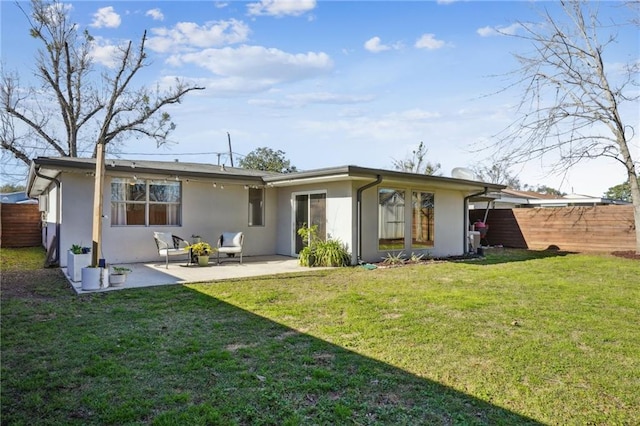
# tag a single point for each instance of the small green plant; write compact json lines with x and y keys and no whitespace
{"x":415,"y":257}
{"x":120,"y":270}
{"x":78,"y":249}
{"x":201,"y":249}
{"x":394,"y":259}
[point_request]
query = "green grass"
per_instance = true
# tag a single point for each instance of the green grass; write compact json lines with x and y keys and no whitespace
{"x":21,"y":259}
{"x":517,"y":338}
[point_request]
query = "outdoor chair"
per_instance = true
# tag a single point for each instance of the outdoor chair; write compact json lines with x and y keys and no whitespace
{"x":170,"y":245}
{"x":231,"y":244}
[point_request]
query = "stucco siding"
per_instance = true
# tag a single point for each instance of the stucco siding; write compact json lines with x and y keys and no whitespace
{"x":448,"y":215}
{"x":206,"y":211}
{"x":339,"y":213}
{"x":76,"y":217}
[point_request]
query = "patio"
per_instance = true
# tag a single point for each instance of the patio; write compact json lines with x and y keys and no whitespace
{"x":154,"y":273}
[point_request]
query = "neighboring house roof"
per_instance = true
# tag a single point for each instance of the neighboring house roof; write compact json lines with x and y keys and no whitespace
{"x":19,"y":197}
{"x":513,"y":198}
{"x":44,"y":169}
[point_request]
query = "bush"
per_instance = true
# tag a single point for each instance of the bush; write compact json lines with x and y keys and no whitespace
{"x":331,"y":253}
{"x":321,"y":253}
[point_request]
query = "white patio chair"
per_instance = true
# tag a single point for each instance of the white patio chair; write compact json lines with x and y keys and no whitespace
{"x":231,"y":244}
{"x":170,"y":245}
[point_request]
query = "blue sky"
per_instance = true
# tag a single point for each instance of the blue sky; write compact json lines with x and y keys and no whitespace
{"x":332,"y":82}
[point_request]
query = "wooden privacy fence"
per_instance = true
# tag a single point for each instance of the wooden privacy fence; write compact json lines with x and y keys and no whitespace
{"x":21,"y":226}
{"x":581,"y":229}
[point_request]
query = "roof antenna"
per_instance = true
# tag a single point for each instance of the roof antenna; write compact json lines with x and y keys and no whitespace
{"x":230,"y":151}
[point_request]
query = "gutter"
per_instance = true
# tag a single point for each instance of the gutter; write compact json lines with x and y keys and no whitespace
{"x":56,"y":260}
{"x":465,"y":221}
{"x":359,"y":213}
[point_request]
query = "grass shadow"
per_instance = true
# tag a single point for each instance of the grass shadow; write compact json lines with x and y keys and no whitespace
{"x":497,"y":255}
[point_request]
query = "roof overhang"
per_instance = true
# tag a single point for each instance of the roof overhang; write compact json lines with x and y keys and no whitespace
{"x":389,"y":177}
{"x":44,"y":169}
{"x":51,"y":167}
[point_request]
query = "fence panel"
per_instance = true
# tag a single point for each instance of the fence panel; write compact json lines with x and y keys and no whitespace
{"x":582,"y":229}
{"x":21,"y":225}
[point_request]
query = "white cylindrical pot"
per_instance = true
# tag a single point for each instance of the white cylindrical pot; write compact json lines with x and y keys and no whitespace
{"x":94,"y":278}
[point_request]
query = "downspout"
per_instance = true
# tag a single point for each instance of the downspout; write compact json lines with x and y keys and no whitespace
{"x":56,"y":260}
{"x":359,"y":214}
{"x":465,"y":235}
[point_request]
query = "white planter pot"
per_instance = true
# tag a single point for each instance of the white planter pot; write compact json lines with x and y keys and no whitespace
{"x":117,"y":279}
{"x":95,"y":278}
{"x":75,"y":263}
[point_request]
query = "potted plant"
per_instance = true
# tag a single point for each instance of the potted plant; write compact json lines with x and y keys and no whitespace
{"x":78,"y":257}
{"x":118,"y":275}
{"x":202,"y":250}
{"x":95,"y":278}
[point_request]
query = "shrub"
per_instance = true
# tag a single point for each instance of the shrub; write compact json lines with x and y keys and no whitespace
{"x":321,"y":253}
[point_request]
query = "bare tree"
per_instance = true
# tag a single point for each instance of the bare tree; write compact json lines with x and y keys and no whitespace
{"x":416,"y":163}
{"x":571,"y":99}
{"x":71,"y":112}
{"x":499,"y":173}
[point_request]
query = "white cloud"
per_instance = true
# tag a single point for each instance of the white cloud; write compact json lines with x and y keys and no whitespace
{"x":156,"y":14}
{"x":106,"y":17}
{"x":189,"y":35}
{"x":429,"y":41}
{"x":499,"y":30}
{"x":281,"y":7}
{"x":303,"y":99}
{"x":375,"y":45}
{"x":255,"y":68}
{"x":105,"y":53}
{"x":260,"y":62}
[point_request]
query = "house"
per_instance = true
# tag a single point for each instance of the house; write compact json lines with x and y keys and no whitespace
{"x":373,"y":212}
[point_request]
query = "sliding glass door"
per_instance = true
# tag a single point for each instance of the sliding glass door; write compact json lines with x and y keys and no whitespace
{"x":309,"y":209}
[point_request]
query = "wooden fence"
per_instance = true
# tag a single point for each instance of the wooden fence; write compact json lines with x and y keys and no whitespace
{"x":20,"y":225}
{"x":581,"y":229}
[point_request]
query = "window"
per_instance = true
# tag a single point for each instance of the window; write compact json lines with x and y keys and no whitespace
{"x":390,"y":219}
{"x":145,"y":202}
{"x":256,"y":207}
{"x":422,"y":220}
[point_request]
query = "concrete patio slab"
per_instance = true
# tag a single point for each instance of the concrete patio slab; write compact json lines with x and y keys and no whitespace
{"x":155,"y":274}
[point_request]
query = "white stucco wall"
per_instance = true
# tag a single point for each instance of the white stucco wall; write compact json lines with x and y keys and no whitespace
{"x":206,"y":211}
{"x":448,"y":223}
{"x":48,"y":202}
{"x":76,"y":213}
{"x":339,"y":214}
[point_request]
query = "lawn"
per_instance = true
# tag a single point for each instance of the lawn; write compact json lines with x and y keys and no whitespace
{"x":518,"y":338}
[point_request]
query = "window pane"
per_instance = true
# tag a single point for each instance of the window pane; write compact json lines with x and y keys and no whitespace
{"x":164,"y":191}
{"x":135,"y":214}
{"x":390,"y":219}
{"x":318,"y":213}
{"x":422,"y":227}
{"x":256,"y":206}
{"x":136,"y":190}
{"x":118,"y":189}
{"x":164,"y":214}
